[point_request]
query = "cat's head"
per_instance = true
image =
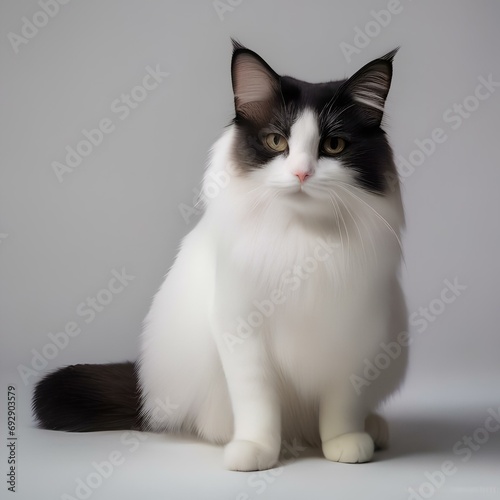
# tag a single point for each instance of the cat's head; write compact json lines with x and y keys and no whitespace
{"x":301,"y":140}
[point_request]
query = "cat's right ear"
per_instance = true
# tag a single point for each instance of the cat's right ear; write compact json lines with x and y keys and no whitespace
{"x":369,"y":87}
{"x":255,"y":84}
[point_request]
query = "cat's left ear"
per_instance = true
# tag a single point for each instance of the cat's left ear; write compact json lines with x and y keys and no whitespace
{"x":255,"y":83}
{"x":369,"y":87}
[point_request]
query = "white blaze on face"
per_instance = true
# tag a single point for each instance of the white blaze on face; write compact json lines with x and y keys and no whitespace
{"x":303,"y":145}
{"x":300,"y":169}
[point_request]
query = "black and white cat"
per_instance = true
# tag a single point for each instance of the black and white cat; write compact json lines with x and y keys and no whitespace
{"x":281,"y":293}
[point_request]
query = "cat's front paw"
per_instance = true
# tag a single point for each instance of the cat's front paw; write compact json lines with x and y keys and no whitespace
{"x":355,"y":447}
{"x":249,"y":456}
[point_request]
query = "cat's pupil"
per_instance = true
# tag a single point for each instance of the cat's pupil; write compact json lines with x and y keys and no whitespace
{"x":334,"y":143}
{"x":276,"y":139}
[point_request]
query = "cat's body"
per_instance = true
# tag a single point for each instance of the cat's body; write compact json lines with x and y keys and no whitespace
{"x":288,"y":284}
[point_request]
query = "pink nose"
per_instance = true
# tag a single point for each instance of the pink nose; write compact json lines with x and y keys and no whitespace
{"x":303,"y":176}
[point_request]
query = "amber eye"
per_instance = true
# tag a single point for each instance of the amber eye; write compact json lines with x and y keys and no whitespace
{"x":276,"y":142}
{"x":333,"y":145}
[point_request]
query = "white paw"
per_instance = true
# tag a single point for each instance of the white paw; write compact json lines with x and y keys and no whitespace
{"x":248,"y":456}
{"x":355,"y":447}
{"x":378,"y":429}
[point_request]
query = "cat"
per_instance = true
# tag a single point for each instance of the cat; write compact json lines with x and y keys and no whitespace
{"x":283,"y":292}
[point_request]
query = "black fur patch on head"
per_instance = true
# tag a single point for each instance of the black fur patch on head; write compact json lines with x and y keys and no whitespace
{"x":351,"y":109}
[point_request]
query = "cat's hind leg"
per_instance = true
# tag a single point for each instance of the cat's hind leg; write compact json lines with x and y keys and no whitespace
{"x":377,"y":427}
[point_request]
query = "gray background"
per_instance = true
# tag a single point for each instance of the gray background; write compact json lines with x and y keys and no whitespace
{"x":120,"y":208}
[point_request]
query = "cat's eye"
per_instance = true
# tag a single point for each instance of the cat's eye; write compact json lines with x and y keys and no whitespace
{"x":276,"y":142}
{"x":333,"y":145}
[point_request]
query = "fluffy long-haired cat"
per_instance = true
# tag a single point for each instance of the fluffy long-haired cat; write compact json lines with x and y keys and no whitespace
{"x":281,"y":296}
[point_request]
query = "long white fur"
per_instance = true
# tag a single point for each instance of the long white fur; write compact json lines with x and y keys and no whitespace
{"x":290,"y":377}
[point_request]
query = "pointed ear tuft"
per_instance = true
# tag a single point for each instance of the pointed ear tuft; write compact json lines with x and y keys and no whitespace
{"x":370,"y":85}
{"x":255,"y":84}
{"x":236,"y":44}
{"x":390,"y":55}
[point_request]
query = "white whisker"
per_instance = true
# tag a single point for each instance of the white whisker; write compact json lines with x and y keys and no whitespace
{"x":357,"y":226}
{"x":391,"y":229}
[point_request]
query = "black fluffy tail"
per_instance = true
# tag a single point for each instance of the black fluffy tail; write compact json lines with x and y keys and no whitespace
{"x":84,"y":398}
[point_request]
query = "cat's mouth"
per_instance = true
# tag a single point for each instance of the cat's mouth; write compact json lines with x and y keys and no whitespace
{"x":305,"y":189}
{"x":302,"y":193}
{"x":310,"y":192}
{"x":298,"y":191}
